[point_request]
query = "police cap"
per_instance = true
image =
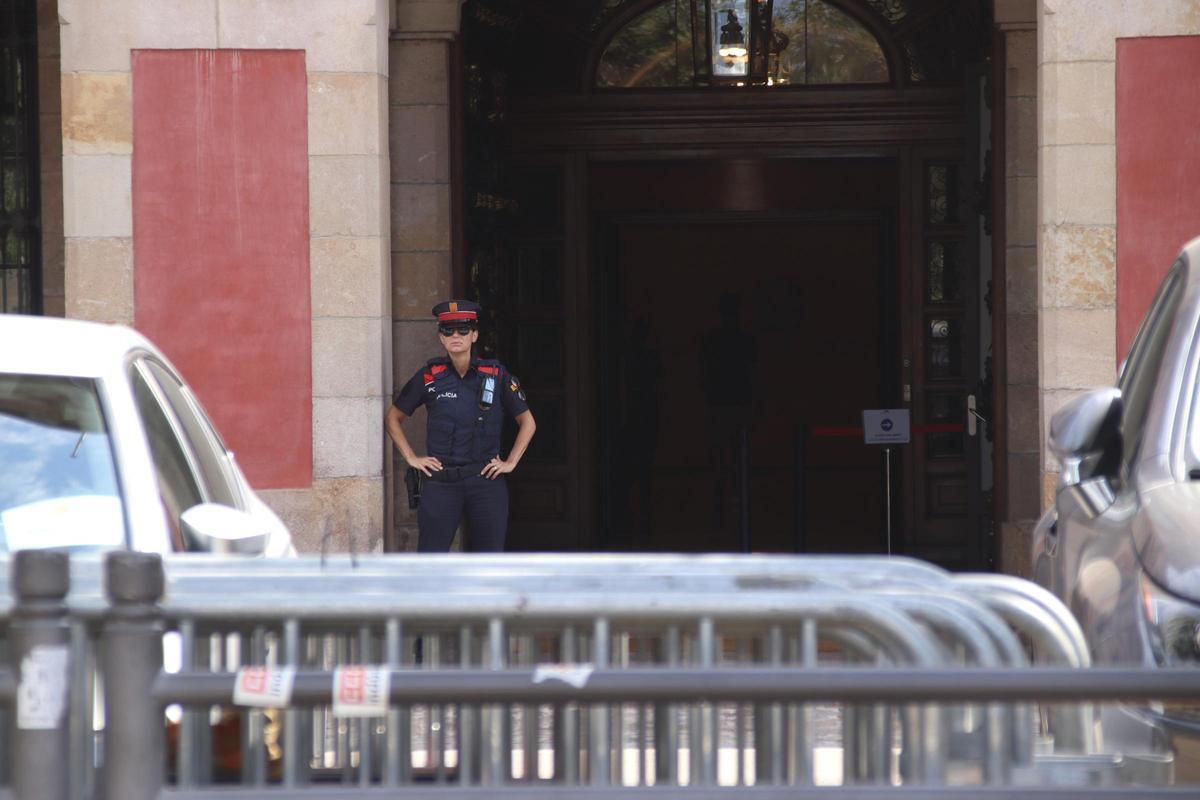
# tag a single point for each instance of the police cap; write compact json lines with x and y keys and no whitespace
{"x":457,"y":310}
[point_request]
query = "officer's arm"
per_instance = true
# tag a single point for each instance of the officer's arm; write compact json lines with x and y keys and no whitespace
{"x":525,"y":428}
{"x":392,"y":422}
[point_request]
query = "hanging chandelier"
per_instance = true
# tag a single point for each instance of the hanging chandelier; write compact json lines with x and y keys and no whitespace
{"x":733,"y":43}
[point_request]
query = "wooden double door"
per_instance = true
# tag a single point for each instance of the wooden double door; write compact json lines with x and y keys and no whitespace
{"x":855,"y":287}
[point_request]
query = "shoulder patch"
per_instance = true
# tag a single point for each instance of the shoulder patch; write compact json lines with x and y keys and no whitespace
{"x":514,"y":386}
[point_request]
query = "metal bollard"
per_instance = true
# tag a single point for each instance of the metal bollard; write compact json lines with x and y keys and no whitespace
{"x":134,"y":735}
{"x":39,"y":639}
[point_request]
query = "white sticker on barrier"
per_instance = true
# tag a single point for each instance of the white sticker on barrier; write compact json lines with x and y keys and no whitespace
{"x":42,"y":693}
{"x":574,"y":674}
{"x":264,"y":687}
{"x":360,"y":691}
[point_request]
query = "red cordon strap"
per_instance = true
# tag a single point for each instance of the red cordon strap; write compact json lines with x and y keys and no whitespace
{"x":437,"y":369}
{"x":450,"y":316}
{"x":489,"y":370}
{"x":832,"y":431}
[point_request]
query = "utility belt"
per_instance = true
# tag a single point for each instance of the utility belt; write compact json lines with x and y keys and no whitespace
{"x":413,"y":478}
{"x":455,"y":474}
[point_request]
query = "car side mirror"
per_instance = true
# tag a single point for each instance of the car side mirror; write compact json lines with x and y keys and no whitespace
{"x":215,"y":528}
{"x":1085,"y":438}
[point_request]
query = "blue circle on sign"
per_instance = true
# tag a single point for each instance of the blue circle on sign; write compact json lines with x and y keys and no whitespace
{"x":886,"y":424}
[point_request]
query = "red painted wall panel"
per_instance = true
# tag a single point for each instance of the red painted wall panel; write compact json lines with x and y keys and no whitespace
{"x":220,"y":238}
{"x":1158,"y":167}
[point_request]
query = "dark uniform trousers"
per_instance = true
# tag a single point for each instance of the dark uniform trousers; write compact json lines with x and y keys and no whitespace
{"x":484,"y":502}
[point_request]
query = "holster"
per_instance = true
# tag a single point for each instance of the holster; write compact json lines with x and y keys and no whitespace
{"x":412,"y":482}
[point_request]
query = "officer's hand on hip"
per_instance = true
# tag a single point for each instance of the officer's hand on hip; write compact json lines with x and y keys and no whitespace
{"x":427,"y":464}
{"x":495,"y":468}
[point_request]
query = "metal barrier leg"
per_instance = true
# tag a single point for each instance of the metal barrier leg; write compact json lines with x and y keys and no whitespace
{"x":134,"y":746}
{"x":566,"y":718}
{"x":397,"y":741}
{"x":599,"y":761}
{"x":494,"y":718}
{"x":800,"y":722}
{"x":616,"y":719}
{"x":434,"y":714}
{"x":83,"y":688}
{"x":254,"y":753}
{"x":527,"y":646}
{"x":291,"y":717}
{"x":666,"y":720}
{"x":39,"y":646}
{"x":366,"y":739}
{"x":707,"y":744}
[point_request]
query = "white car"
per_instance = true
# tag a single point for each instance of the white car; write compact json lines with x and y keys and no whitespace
{"x":103,"y":446}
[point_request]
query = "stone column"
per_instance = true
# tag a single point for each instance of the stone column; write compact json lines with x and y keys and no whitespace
{"x":1017,"y":20}
{"x":97,"y":146}
{"x":421,"y":150}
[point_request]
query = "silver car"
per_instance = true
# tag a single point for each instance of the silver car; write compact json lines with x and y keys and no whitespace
{"x":1122,"y":544}
{"x":102,"y":446}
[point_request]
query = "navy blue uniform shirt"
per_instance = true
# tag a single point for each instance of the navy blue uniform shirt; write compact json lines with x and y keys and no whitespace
{"x":462,"y":428}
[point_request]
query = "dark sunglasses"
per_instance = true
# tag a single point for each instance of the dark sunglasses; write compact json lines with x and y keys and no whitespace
{"x":461,"y":330}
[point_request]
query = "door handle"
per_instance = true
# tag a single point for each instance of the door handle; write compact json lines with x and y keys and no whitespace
{"x":973,"y":417}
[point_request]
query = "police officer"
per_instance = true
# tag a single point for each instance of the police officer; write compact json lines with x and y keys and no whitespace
{"x":464,"y":398}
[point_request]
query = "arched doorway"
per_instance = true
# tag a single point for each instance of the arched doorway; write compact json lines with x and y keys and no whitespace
{"x":617,"y":199}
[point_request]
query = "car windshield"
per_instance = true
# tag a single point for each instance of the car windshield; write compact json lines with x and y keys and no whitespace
{"x":58,"y":482}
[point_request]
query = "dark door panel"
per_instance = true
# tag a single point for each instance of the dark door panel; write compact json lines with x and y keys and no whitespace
{"x":819,"y":343}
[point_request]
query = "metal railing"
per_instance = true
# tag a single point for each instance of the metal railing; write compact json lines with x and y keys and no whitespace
{"x":555,"y":676}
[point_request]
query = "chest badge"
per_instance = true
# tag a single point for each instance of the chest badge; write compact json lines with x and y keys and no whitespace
{"x":487,"y":392}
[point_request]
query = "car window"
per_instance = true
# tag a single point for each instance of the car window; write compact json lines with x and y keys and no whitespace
{"x":1140,"y":373}
{"x":178,"y":482}
{"x":59,"y":483}
{"x":206,"y":445}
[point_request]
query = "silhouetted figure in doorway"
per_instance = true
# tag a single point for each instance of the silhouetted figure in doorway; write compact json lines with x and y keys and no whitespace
{"x":728,"y":359}
{"x":640,"y":373}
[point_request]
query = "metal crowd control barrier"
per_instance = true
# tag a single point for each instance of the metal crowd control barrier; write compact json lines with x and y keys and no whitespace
{"x":555,"y":677}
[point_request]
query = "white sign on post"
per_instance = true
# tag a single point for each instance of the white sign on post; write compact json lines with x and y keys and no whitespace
{"x":885,"y":426}
{"x":361,"y":691}
{"x":42,"y":692}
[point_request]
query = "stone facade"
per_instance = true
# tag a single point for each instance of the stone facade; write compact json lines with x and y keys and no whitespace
{"x":345,"y":43}
{"x":382,"y":220}
{"x":1076,"y":221}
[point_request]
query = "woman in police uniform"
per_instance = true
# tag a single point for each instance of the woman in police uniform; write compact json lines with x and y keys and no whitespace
{"x":464,"y":398}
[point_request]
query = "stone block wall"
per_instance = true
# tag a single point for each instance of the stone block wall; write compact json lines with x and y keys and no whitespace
{"x":345,"y":43}
{"x":1077,"y":233}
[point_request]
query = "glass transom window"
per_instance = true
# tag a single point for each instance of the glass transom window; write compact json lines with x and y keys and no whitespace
{"x":686,"y":43}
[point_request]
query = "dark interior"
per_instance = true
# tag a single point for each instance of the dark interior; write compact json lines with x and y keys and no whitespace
{"x":726,"y":288}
